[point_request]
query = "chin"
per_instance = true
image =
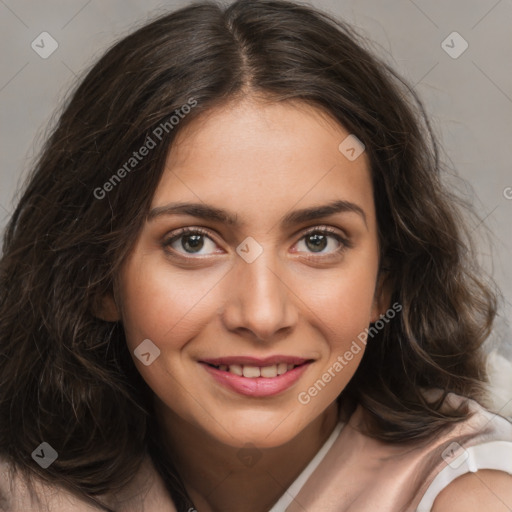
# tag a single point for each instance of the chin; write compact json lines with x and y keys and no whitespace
{"x":262,"y":431}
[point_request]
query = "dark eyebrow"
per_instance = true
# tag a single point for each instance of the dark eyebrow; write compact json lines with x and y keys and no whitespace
{"x":207,"y":212}
{"x":199,"y":210}
{"x":318,"y":212}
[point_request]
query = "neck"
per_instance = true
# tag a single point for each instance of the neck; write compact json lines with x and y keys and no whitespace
{"x":222,"y":478}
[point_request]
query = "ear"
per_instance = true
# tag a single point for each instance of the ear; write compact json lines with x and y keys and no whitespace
{"x":105,"y":308}
{"x":382,"y":297}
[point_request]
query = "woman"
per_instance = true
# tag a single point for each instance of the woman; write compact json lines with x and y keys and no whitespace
{"x":235,"y":281}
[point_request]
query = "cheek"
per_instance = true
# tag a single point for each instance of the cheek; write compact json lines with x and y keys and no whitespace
{"x":162,"y":306}
{"x":343,"y":302}
{"x":343,"y":309}
{"x":342,"y":314}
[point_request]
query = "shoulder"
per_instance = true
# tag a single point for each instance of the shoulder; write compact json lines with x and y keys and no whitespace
{"x":485,"y":489}
{"x":469,"y":465}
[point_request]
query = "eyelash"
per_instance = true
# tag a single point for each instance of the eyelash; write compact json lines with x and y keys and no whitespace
{"x":345,"y":243}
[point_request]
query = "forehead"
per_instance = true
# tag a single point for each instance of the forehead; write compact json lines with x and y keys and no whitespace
{"x":257,"y":155}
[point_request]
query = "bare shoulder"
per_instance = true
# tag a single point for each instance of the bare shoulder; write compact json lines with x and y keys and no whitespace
{"x":473,"y":492}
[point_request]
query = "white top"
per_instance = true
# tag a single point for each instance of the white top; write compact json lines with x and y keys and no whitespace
{"x":292,"y":491}
{"x":352,"y":472}
{"x":493,"y":455}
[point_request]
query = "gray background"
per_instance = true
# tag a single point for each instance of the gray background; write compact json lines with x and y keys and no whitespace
{"x":469,"y":98}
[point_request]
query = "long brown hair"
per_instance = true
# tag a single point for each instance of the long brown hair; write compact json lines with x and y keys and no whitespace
{"x":66,"y":377}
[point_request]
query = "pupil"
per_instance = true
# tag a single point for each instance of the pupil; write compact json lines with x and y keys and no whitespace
{"x":192,"y":243}
{"x":316,"y":242}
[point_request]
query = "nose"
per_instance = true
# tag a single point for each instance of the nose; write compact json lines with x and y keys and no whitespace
{"x":259,"y":303}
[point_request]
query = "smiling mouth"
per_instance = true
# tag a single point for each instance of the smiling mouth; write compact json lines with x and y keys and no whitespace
{"x":253,"y":372}
{"x":257,"y":377}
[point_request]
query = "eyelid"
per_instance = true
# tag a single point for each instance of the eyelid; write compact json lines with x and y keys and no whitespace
{"x":325,"y":229}
{"x":343,"y":239}
{"x":185,"y":231}
{"x":169,"y":238}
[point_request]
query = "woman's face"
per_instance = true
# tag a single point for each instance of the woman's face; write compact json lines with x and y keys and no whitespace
{"x":277,"y":270}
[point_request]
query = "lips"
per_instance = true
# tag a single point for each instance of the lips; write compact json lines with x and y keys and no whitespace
{"x":255,"y":361}
{"x":251,"y":367}
{"x":258,"y":377}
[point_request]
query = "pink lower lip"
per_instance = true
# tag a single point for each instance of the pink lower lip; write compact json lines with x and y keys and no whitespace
{"x":258,"y":386}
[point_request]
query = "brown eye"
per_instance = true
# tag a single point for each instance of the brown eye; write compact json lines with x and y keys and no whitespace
{"x":322,"y":241}
{"x":192,"y":243}
{"x":189,"y":242}
{"x":316,"y":242}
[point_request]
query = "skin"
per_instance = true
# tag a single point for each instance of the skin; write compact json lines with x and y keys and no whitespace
{"x":259,"y":161}
{"x":473,"y":492}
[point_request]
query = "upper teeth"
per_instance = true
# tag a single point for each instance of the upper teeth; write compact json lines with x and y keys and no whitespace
{"x":255,"y":371}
